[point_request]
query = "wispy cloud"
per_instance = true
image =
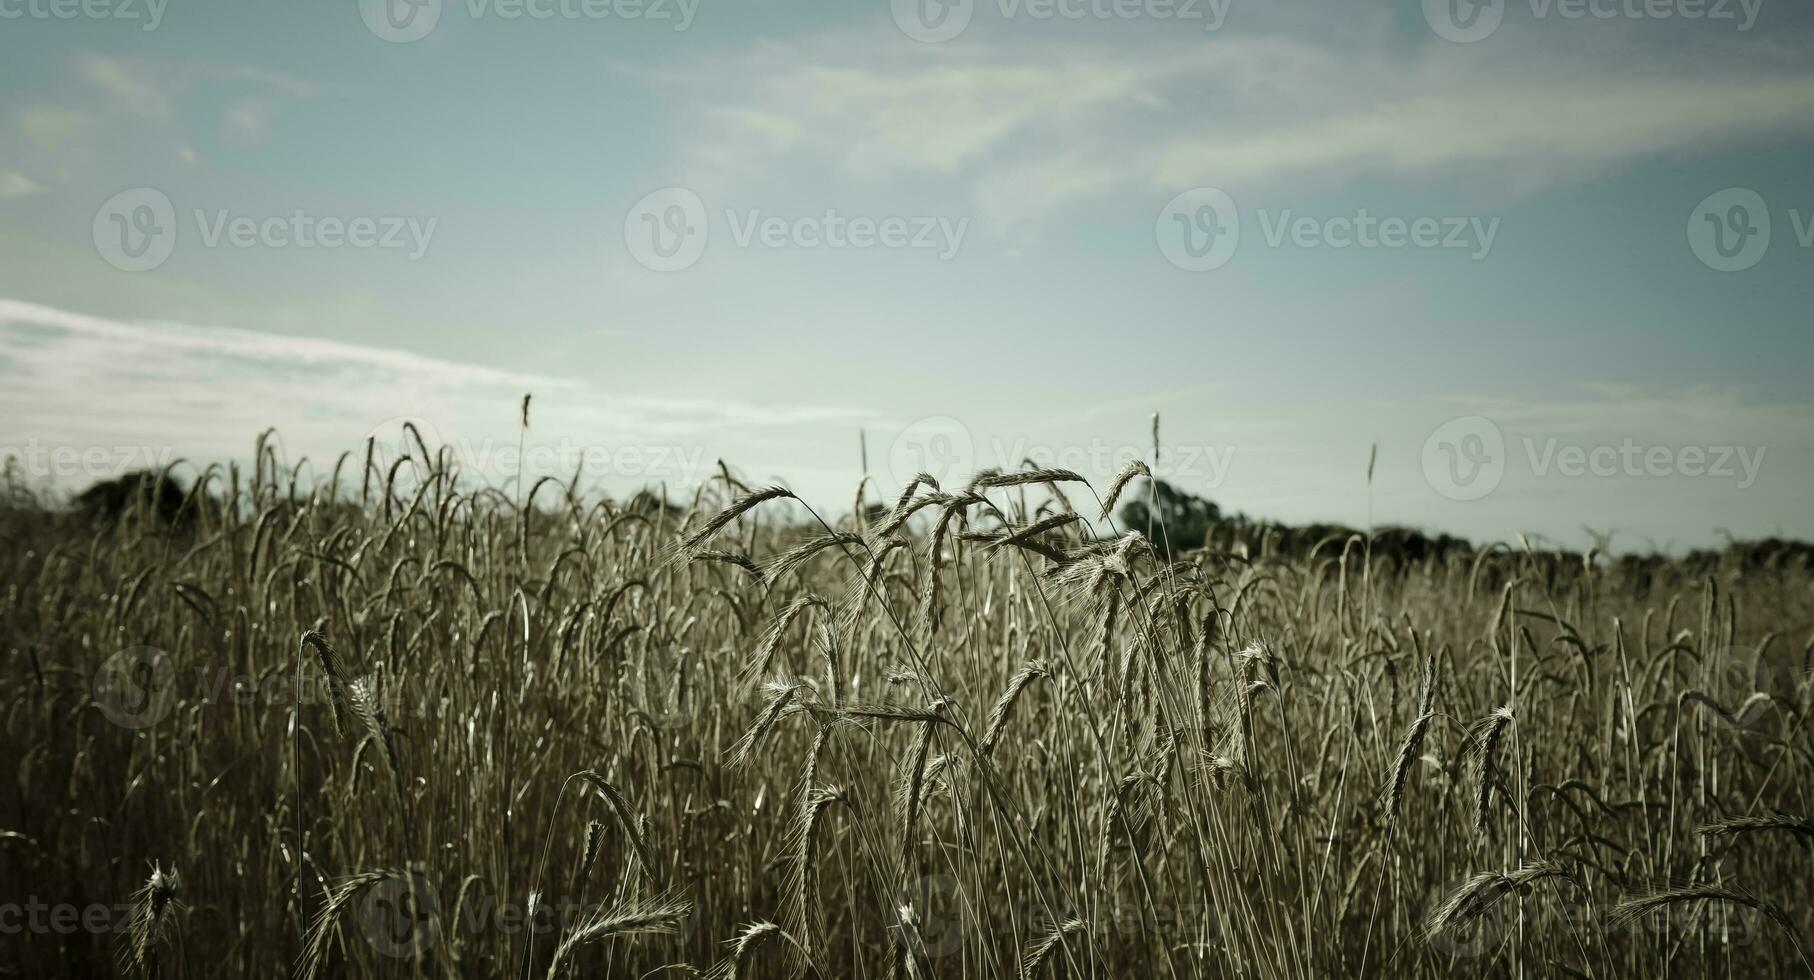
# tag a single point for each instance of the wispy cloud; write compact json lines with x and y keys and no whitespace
{"x":72,"y":380}
{"x":15,"y":184}
{"x":165,"y":390}
{"x":50,"y":130}
{"x":145,"y":108}
{"x":1542,"y":130}
{"x":126,"y":86}
{"x":1022,"y":129}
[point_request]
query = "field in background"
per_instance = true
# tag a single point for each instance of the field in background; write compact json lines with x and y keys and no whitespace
{"x":960,"y":735}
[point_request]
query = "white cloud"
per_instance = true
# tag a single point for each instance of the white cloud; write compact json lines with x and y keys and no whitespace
{"x":139,"y":108}
{"x":50,"y":130}
{"x":15,"y":184}
{"x":1535,"y":126}
{"x":1025,"y":128}
{"x":247,"y":120}
{"x":127,"y":87}
{"x":1725,"y":460}
{"x":204,"y":393}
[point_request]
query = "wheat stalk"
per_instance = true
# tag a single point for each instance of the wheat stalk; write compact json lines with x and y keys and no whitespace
{"x":1479,"y":894}
{"x":661,"y":914}
{"x":737,"y":508}
{"x":1411,"y":746}
{"x":1017,"y":685}
{"x":154,"y":905}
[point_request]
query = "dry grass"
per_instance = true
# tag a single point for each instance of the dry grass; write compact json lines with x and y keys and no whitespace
{"x":975,"y":736}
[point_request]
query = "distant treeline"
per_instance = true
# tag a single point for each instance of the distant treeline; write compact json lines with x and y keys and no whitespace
{"x":1179,"y":523}
{"x":1191,"y":522}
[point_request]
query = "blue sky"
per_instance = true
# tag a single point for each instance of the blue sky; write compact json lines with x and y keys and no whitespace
{"x":1051,"y":315}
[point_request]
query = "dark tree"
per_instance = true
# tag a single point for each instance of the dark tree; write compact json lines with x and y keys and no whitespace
{"x":1180,"y":520}
{"x":140,"y":492}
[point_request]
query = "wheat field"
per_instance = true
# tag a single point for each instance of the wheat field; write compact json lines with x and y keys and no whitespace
{"x":394,"y":723}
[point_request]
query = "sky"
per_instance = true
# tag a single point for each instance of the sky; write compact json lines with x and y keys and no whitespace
{"x":1551,"y":257}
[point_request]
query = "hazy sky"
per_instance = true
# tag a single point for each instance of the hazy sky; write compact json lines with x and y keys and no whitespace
{"x":1553,"y":256}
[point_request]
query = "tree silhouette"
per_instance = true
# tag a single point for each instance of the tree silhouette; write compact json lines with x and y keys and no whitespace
{"x":1180,"y":520}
